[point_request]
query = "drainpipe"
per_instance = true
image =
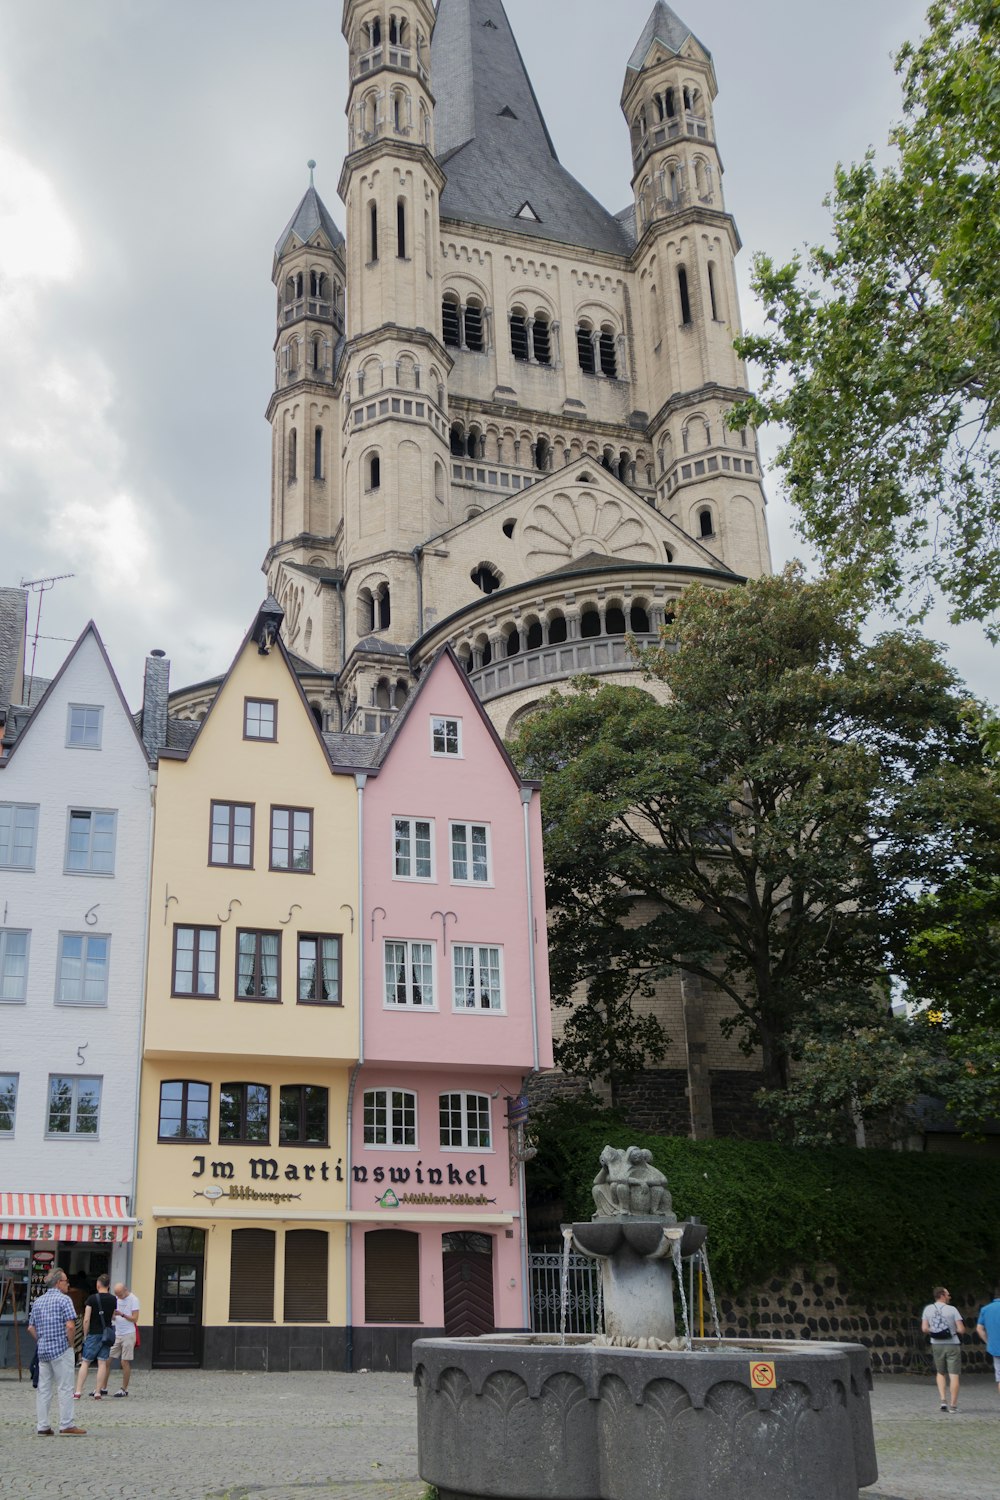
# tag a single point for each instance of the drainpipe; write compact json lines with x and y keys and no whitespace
{"x":526,"y":795}
{"x":142,"y":1016}
{"x":359,"y":781}
{"x":418,"y":557}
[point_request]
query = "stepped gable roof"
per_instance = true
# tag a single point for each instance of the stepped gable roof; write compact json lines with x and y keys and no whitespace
{"x":493,"y":143}
{"x":665,"y":26}
{"x":311,"y":214}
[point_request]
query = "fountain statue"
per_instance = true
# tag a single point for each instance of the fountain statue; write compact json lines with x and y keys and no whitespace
{"x":639,"y":1412}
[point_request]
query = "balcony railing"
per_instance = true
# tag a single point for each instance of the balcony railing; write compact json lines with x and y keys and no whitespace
{"x":392,"y":56}
{"x":548,"y":664}
{"x":691,"y":126}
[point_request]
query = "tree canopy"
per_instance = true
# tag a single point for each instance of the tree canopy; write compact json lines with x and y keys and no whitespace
{"x":761,"y":828}
{"x":881,"y":352}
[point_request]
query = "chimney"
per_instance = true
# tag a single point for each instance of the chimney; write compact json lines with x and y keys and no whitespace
{"x":156,"y":685}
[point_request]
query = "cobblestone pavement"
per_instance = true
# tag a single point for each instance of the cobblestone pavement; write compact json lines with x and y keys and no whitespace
{"x":204,"y":1435}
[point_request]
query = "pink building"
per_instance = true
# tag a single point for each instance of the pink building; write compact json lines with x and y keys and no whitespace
{"x":456,"y":1014}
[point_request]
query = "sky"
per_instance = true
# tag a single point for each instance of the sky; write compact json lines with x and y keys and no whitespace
{"x":151,"y":153}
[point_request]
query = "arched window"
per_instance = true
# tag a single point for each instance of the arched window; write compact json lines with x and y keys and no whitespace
{"x":375,"y":30}
{"x":366,"y":612}
{"x":535,"y":638}
{"x":318,"y":453}
{"x":383,"y":694}
{"x":615,"y":621}
{"x":382,"y":607}
{"x":457,"y":440}
{"x":373,"y":231}
{"x":638,"y":620}
{"x":400,"y":693}
{"x":474,"y":338}
{"x":540,"y":453}
{"x":316,"y":345}
{"x":542,"y":339}
{"x":473,"y":443}
{"x":705,"y":525}
{"x":450,"y":320}
{"x":711,"y":292}
{"x":519,"y":334}
{"x":670,"y":104}
{"x":400,"y":229}
{"x":397,"y":31}
{"x":374,"y":472}
{"x":683,"y":293}
{"x":486,"y":578}
{"x":609,"y":353}
{"x":585,"y":348}
{"x":293,"y":456}
{"x":557,"y":630}
{"x":439,"y":480}
{"x":514,"y":643}
{"x":590,"y":623}
{"x":425,"y":124}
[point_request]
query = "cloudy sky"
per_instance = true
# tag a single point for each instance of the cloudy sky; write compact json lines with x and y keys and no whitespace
{"x":151,"y":151}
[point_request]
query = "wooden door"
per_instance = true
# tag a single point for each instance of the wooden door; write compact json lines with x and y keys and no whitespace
{"x":467,"y":1278}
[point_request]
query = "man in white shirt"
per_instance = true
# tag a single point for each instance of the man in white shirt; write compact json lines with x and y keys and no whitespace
{"x":126,"y":1319}
{"x":943,"y":1324}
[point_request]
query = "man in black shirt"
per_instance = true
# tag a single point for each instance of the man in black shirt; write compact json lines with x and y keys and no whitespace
{"x":98,"y":1336}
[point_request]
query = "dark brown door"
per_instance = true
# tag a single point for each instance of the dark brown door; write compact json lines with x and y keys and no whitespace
{"x":467,"y":1278}
{"x":177,"y":1328}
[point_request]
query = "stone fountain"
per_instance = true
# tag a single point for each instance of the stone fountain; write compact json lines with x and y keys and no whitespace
{"x":639,"y":1413}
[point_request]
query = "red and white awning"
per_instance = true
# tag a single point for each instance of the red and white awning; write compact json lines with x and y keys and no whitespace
{"x":100,"y":1218}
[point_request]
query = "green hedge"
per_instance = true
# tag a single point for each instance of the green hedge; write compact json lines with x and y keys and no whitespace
{"x":893,"y":1223}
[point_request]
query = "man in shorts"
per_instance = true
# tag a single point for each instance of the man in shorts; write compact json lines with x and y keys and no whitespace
{"x":988,"y":1329}
{"x":126,"y":1318}
{"x":944,"y":1325}
{"x":98,"y":1336}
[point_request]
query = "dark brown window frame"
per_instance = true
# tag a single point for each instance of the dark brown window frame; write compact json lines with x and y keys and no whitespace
{"x":243,"y":1139}
{"x":261,"y":739}
{"x":229,"y":864}
{"x":175,"y":993}
{"x":321,"y":937}
{"x":290,"y":869}
{"x":257,"y":999}
{"x":299,"y":1140}
{"x":183,"y":1140}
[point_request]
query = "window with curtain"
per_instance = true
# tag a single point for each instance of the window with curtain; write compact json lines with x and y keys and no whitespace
{"x":258,"y":956}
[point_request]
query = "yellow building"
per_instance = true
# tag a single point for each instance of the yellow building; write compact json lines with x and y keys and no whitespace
{"x":251,"y":1031}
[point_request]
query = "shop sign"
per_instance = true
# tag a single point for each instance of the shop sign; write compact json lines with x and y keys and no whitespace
{"x":98,"y":1234}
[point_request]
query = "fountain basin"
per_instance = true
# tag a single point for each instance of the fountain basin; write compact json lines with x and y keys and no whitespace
{"x":529,"y":1417}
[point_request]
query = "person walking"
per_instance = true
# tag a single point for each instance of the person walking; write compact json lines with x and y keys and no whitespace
{"x":943,"y":1323}
{"x":988,"y":1329}
{"x":98,"y":1337}
{"x":126,"y":1320}
{"x":52,"y":1324}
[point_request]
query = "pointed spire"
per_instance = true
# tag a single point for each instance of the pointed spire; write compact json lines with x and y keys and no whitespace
{"x":311,"y":214}
{"x":665,"y":26}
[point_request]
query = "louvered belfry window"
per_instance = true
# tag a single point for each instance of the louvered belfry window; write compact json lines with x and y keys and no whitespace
{"x":306,"y":1261}
{"x":251,"y":1276}
{"x":392,"y":1276}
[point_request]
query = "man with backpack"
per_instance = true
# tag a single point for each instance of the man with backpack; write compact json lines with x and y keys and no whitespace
{"x":988,"y":1329}
{"x":943,"y":1325}
{"x":98,"y":1336}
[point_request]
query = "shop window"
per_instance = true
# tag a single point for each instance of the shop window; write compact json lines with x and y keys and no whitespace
{"x":307,"y":1253}
{"x":477,"y":977}
{"x":251,"y":1276}
{"x":409,"y":975}
{"x":184,"y":1110}
{"x":470,"y":853}
{"x":413,"y":849}
{"x":82,"y":968}
{"x":319,"y":970}
{"x":390,"y":1117}
{"x":83,"y":728}
{"x":291,"y":839}
{"x":232,"y":835}
{"x":303,"y":1115}
{"x":90,"y":842}
{"x":196,"y":962}
{"x":18,"y":831}
{"x":258,"y":965}
{"x":465,"y":1122}
{"x":392,"y":1276}
{"x":14,"y":964}
{"x":8,"y":1102}
{"x":245,"y":1114}
{"x":74,"y":1106}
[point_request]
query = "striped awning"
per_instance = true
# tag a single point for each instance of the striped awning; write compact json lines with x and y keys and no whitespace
{"x":98,"y":1218}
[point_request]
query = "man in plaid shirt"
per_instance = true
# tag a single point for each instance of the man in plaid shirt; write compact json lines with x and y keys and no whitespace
{"x":52,"y":1324}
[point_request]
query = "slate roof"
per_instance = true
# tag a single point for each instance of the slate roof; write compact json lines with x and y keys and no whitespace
{"x":493,"y":143}
{"x":353,"y":749}
{"x":311,"y":214}
{"x":13,"y":614}
{"x":663,"y":26}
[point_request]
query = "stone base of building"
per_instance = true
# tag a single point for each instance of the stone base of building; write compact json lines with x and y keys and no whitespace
{"x":283,"y":1350}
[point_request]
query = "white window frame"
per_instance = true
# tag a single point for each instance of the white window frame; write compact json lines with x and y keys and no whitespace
{"x":85,"y":709}
{"x":411,"y":835}
{"x":478,"y":1010}
{"x":91,"y":813}
{"x":86,"y":938}
{"x":8,"y":1135}
{"x":383,"y":1101}
{"x":73,"y":1134}
{"x":464,"y":1145}
{"x":5,"y":934}
{"x":446,"y":719}
{"x":408,"y":1004}
{"x":469,"y":879}
{"x":7,"y":851}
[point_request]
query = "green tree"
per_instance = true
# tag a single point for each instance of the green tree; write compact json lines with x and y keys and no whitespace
{"x":762,"y":827}
{"x":881,"y":355}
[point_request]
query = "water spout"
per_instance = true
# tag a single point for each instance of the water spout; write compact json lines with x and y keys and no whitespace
{"x":678,"y":1264}
{"x":567,"y":1230}
{"x":711,"y":1292}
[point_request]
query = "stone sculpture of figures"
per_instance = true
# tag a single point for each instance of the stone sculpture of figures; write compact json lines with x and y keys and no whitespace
{"x":628,"y":1183}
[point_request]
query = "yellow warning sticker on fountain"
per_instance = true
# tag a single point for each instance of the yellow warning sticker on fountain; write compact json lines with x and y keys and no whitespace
{"x":762,"y":1375}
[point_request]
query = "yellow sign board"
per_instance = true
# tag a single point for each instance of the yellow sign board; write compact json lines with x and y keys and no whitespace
{"x":762,"y":1375}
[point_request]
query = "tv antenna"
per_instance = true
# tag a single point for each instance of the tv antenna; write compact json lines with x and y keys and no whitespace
{"x":39,"y":586}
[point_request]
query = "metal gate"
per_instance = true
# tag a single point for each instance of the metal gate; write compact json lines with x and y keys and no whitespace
{"x":545,"y":1272}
